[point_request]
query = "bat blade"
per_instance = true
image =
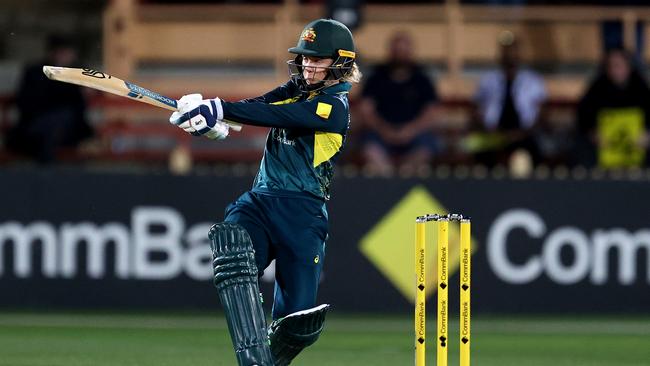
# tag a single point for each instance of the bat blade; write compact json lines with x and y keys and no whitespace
{"x":110,"y":84}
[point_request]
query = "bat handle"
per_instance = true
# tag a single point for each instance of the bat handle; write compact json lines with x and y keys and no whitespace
{"x":234,"y":126}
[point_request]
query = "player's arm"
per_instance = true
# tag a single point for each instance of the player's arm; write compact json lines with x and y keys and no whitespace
{"x":323,"y":113}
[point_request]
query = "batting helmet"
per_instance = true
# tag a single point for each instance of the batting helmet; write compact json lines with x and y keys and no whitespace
{"x":324,"y":38}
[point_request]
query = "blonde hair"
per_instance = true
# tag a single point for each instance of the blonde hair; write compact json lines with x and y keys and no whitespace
{"x":354,"y":75}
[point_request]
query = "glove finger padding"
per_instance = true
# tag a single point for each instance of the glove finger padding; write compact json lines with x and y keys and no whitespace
{"x":177,"y":119}
{"x":182,"y":122}
{"x":188,"y":107}
{"x":200,"y":117}
{"x":189,"y":102}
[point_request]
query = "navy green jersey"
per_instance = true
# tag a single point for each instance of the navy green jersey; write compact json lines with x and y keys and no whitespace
{"x":307,"y":135}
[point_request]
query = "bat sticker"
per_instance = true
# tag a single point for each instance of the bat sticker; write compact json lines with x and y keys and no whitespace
{"x":138,"y":91}
{"x":95,"y":74}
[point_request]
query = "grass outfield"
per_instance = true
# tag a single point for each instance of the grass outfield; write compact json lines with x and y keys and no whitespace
{"x":36,"y":339}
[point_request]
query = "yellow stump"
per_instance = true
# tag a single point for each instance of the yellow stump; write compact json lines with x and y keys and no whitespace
{"x":465,"y":291}
{"x":443,"y":287}
{"x":420,"y":291}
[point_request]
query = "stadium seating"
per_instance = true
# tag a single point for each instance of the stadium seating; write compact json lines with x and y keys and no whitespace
{"x":453,"y":37}
{"x":250,"y":44}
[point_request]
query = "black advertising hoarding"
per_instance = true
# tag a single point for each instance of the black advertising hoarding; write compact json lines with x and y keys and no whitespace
{"x":70,"y":240}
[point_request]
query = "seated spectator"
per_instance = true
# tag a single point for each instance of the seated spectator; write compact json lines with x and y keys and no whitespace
{"x":508,"y":103}
{"x":51,"y":113}
{"x":613,"y":116}
{"x":398,"y":110}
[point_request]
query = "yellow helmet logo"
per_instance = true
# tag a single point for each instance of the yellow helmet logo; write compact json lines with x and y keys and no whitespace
{"x":345,"y":53}
{"x":317,"y":259}
{"x":308,"y":35}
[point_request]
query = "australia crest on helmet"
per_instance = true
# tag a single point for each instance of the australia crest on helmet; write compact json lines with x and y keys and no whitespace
{"x":308,"y":35}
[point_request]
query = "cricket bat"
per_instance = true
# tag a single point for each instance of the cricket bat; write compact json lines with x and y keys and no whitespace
{"x":110,"y":84}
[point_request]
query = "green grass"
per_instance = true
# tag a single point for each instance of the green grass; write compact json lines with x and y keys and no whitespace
{"x":39,"y":339}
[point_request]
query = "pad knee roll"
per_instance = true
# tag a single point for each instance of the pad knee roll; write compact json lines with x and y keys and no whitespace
{"x":232,"y":253}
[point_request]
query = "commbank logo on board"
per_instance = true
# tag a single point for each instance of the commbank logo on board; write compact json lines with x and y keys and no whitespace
{"x":389,"y":245}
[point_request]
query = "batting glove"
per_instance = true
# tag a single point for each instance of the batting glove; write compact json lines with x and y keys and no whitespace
{"x":200,"y":117}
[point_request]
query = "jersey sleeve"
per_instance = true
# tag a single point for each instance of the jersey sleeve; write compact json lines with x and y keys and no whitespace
{"x":325,"y":112}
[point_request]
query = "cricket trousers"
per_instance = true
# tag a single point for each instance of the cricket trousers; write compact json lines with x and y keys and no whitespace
{"x":290,"y":227}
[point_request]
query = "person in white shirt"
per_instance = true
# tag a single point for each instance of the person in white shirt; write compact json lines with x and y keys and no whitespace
{"x":508,"y":102}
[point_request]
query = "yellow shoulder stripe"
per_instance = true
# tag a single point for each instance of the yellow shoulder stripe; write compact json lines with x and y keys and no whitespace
{"x":323,"y":110}
{"x":326,"y":145}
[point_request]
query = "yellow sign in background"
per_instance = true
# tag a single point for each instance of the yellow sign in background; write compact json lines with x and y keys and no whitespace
{"x":620,"y":130}
{"x":389,"y":245}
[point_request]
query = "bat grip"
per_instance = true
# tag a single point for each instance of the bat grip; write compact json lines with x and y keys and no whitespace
{"x":234,"y":126}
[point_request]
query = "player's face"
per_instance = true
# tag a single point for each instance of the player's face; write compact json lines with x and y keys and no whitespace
{"x":314,"y":68}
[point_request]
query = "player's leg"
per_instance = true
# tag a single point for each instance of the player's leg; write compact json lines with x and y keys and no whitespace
{"x":296,"y":282}
{"x":246,"y":212}
{"x":297,"y":322}
{"x":236,"y":263}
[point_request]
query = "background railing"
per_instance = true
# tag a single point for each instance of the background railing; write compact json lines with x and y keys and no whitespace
{"x":451,"y":36}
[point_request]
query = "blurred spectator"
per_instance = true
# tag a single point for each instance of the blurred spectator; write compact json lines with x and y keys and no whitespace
{"x":51,"y":113}
{"x":613,"y":115}
{"x":508,"y":103}
{"x":398,"y":109}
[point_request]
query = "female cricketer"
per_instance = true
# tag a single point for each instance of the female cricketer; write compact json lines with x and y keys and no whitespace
{"x":283,"y":217}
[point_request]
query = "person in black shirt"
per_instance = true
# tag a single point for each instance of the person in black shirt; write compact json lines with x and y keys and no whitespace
{"x":51,"y":113}
{"x":398,"y":110}
{"x":613,"y":116}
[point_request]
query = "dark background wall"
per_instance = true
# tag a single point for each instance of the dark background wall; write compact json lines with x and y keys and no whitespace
{"x":540,"y":245}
